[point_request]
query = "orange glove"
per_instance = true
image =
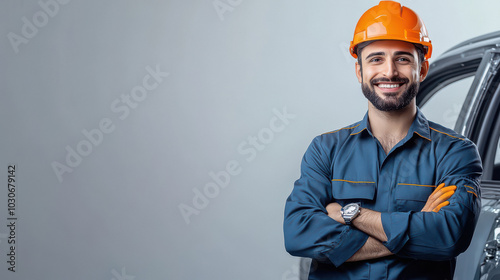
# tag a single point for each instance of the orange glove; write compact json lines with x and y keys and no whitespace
{"x":439,"y":198}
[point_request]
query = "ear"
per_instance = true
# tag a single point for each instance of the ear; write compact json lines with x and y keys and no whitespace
{"x":358,"y":72}
{"x":424,"y":69}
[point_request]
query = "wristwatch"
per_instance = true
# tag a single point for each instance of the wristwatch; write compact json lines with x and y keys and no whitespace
{"x":350,"y":212}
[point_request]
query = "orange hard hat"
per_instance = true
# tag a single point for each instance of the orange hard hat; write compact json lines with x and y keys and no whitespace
{"x":391,"y":21}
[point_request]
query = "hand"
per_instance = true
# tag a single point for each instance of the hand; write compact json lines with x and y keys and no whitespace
{"x":439,"y":198}
{"x":333,"y":210}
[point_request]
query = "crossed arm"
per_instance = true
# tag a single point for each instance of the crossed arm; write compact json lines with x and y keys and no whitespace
{"x":312,"y":230}
{"x":370,"y":222}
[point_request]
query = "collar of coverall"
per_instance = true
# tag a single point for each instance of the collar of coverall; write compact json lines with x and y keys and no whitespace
{"x":420,"y":127}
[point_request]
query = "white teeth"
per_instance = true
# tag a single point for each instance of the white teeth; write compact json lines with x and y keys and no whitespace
{"x":388,"y":85}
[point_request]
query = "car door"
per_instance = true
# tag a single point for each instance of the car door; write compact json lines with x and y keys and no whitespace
{"x":462,"y":92}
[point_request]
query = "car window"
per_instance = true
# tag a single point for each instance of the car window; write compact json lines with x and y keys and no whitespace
{"x":445,"y":105}
{"x":496,"y":163}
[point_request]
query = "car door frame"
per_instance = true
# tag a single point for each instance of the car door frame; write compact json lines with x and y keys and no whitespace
{"x":479,"y":120}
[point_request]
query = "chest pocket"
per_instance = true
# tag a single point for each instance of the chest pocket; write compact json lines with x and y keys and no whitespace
{"x":411,"y":197}
{"x":345,"y":192}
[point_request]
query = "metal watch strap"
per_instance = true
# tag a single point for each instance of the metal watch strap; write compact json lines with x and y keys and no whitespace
{"x":348,"y":218}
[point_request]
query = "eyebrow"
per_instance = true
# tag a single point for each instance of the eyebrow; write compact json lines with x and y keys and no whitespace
{"x":404,"y":53}
{"x":396,"y":53}
{"x":375,"y":54}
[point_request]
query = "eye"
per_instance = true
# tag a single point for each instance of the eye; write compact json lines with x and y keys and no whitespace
{"x":403,"y":59}
{"x":375,"y":59}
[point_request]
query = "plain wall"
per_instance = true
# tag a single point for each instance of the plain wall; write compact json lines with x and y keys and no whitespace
{"x":249,"y":85}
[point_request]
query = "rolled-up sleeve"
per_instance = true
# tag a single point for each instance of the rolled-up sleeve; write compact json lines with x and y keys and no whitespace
{"x":447,"y":233}
{"x":308,"y":230}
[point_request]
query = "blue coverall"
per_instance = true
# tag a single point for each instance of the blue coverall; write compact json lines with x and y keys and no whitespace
{"x":350,"y":165}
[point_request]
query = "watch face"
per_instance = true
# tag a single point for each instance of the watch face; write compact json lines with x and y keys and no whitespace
{"x":350,"y":209}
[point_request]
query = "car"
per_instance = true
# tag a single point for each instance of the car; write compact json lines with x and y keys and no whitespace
{"x":462,"y":92}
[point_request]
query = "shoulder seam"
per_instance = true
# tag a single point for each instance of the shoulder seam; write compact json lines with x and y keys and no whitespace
{"x":463,"y":139}
{"x":340,"y":129}
{"x":423,"y":136}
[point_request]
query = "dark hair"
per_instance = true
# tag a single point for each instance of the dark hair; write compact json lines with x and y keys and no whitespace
{"x":420,"y":50}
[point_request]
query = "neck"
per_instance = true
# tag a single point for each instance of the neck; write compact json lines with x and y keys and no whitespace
{"x":393,"y":124}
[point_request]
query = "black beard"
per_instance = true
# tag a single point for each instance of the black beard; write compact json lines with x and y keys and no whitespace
{"x":395,"y":103}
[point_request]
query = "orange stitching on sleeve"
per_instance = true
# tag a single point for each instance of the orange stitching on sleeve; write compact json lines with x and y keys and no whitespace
{"x":472,"y":193}
{"x":469,"y":187}
{"x":473,"y":190}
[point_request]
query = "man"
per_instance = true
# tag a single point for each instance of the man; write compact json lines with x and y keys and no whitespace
{"x":394,"y":196}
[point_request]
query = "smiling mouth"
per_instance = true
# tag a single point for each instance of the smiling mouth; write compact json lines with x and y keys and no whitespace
{"x":390,"y":86}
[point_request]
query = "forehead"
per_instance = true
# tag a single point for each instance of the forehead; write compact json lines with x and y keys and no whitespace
{"x":388,"y":47}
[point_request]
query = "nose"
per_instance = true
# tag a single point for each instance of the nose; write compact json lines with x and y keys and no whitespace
{"x":390,"y":69}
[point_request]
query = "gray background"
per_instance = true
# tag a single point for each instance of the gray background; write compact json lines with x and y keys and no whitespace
{"x":117,"y":214}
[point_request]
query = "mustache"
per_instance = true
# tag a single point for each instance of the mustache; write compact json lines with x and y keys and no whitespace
{"x":393,"y":80}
